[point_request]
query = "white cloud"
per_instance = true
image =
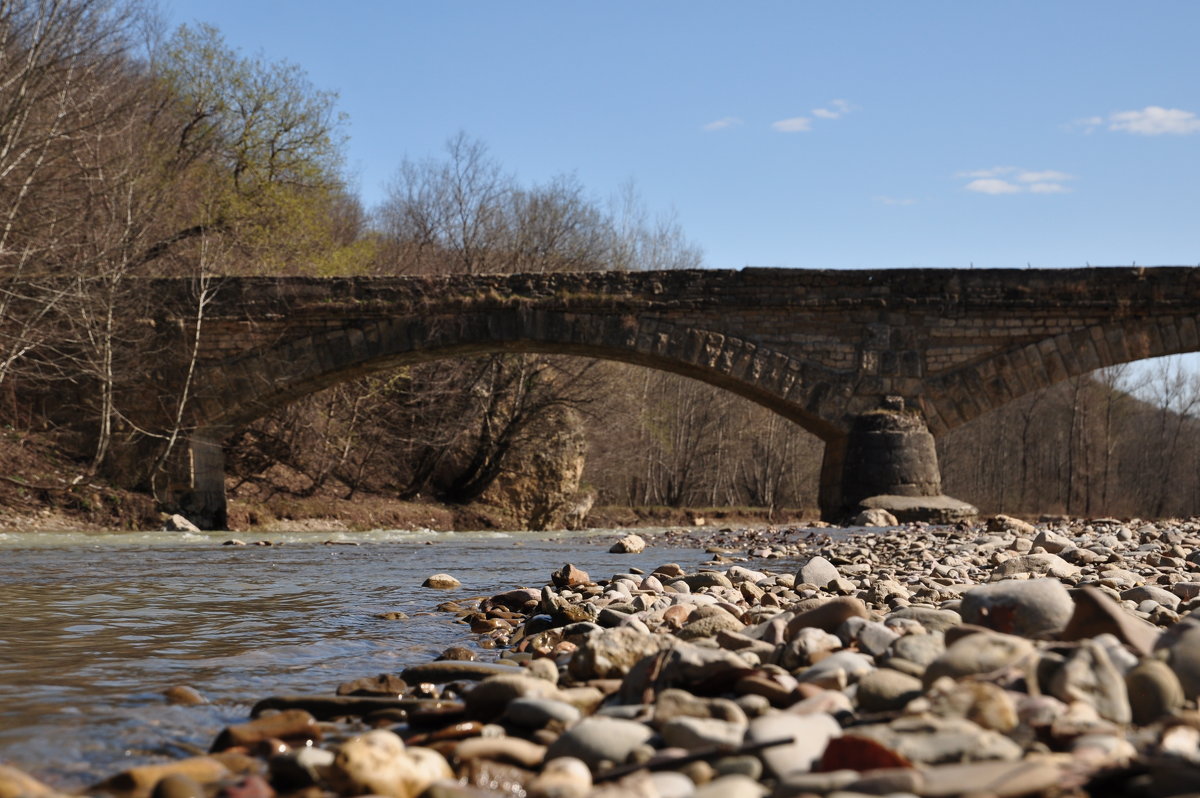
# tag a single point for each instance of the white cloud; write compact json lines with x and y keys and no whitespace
{"x":1015,"y":180}
{"x":1048,"y":188}
{"x":1048,"y":176}
{"x":723,"y":123}
{"x":797,"y":124}
{"x":835,"y":109}
{"x":1154,"y":120}
{"x":991,"y":185}
{"x":895,"y":200}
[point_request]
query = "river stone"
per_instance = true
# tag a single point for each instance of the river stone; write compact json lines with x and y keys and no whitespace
{"x":299,"y":768}
{"x":809,"y":734}
{"x":453,"y":670}
{"x":828,"y":615}
{"x":884,"y":690}
{"x":1006,"y":523}
{"x":978,"y":652}
{"x":140,"y":780}
{"x":874,"y":517}
{"x":488,"y":699}
{"x":378,"y":763}
{"x":1096,"y":614}
{"x":599,"y":739}
{"x":998,"y":779}
{"x":918,"y":649}
{"x":441,"y":582}
{"x":873,"y":637}
{"x":536,"y":713}
{"x":982,"y":703}
{"x":610,"y":654}
{"x":184,"y":696}
{"x":693,"y":733}
{"x":630,"y":544}
{"x":1088,"y":675}
{"x":934,"y":740}
{"x":176,"y":785}
{"x":292,"y":725}
{"x":674,"y":703}
{"x":817,"y":571}
{"x":1154,"y":691}
{"x":932,"y":619}
{"x":683,"y":664}
{"x":502,"y":749}
{"x":1052,"y":541}
{"x":1158,"y":595}
{"x":1024,"y":607}
{"x":1037,"y":564}
{"x":837,"y":670}
{"x":177,"y":523}
{"x":570,"y":576}
{"x":732,"y":786}
{"x":1182,"y":644}
{"x":709,"y":626}
{"x":707,"y":579}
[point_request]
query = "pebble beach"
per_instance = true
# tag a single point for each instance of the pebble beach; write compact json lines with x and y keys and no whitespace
{"x":998,"y":658}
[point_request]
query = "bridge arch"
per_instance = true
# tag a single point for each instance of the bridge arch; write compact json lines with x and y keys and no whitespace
{"x":235,"y":392}
{"x":959,"y":396}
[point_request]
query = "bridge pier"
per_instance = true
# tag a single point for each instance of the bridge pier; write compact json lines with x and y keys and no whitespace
{"x":887,"y":459}
{"x":203,"y":502}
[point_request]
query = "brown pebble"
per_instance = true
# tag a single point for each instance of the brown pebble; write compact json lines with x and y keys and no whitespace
{"x":183,"y":695}
{"x":293,"y":725}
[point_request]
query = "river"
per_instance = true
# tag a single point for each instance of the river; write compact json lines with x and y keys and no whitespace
{"x":95,"y":626}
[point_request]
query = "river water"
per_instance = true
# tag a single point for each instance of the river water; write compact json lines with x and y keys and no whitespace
{"x":95,"y":626}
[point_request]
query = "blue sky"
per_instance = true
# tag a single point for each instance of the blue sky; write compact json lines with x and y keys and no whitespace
{"x":802,"y":134}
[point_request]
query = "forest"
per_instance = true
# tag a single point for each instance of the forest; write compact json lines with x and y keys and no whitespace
{"x":127,"y":150}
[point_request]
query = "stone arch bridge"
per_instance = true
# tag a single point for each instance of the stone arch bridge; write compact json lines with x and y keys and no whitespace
{"x":876,"y":363}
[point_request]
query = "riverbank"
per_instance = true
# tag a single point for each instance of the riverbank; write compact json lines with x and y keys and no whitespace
{"x":42,"y":489}
{"x":998,"y":660}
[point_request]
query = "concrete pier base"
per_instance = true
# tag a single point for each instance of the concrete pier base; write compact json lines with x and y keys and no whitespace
{"x":888,"y":460}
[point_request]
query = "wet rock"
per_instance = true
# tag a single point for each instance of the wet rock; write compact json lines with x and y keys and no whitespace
{"x":139,"y":781}
{"x":1154,"y":691}
{"x":385,"y":684}
{"x":175,"y":785}
{"x":570,"y":576}
{"x":630,"y":544}
{"x":488,"y":699}
{"x":809,"y":735}
{"x":177,"y":523}
{"x":564,"y":777}
{"x":450,"y":670}
{"x":1026,"y":607}
{"x":182,"y":695}
{"x":250,"y":786}
{"x":378,"y":763}
{"x":978,"y":652}
{"x":299,"y":768}
{"x":502,"y":749}
{"x":600,"y":739}
{"x":441,"y":582}
{"x":294,"y":726}
{"x":536,"y":713}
